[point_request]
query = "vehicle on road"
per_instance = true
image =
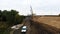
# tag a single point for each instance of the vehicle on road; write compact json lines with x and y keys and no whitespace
{"x":24,"y":29}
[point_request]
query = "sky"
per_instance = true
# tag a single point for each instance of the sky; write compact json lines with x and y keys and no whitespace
{"x":40,"y":7}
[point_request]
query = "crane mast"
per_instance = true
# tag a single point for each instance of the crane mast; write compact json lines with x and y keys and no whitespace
{"x":31,"y":11}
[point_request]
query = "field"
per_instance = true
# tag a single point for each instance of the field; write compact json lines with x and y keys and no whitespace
{"x":50,"y":20}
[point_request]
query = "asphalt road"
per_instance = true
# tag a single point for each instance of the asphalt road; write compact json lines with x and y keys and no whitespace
{"x":23,"y":32}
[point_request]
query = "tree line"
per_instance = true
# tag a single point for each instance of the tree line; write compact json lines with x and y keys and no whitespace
{"x":10,"y":18}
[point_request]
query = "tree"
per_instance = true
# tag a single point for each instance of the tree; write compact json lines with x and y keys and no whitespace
{"x":11,"y":17}
{"x":4,"y":15}
{"x":0,"y":15}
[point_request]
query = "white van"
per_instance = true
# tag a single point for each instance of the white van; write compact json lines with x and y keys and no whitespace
{"x":24,"y":29}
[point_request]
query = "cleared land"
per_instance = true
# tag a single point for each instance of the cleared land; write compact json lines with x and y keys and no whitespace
{"x":50,"y":20}
{"x":42,"y":25}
